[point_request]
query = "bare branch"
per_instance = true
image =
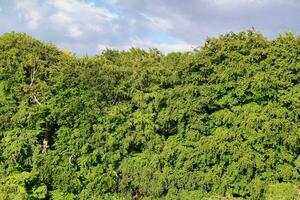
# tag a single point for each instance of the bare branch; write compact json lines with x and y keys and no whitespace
{"x":45,"y":145}
{"x":36,"y":100}
{"x":32,"y":76}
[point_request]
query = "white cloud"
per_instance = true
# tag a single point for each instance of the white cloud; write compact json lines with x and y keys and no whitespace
{"x":61,"y":18}
{"x":164,"y":47}
{"x":158,"y":22}
{"x":79,"y":17}
{"x":113,"y":1}
{"x":81,"y":9}
{"x":30,"y":11}
{"x":85,"y":26}
{"x":102,"y":47}
{"x":74,"y":31}
{"x":148,"y":44}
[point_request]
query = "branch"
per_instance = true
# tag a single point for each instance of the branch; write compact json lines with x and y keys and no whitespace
{"x":45,"y":145}
{"x":36,"y":100}
{"x":32,"y":77}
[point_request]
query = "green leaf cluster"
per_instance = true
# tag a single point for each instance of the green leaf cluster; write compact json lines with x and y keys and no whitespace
{"x":220,"y":122}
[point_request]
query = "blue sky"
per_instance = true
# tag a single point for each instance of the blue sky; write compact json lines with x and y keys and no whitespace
{"x":90,"y":26}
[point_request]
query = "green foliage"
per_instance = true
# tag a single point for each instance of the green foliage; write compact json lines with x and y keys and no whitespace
{"x":220,"y":122}
{"x":282,"y":191}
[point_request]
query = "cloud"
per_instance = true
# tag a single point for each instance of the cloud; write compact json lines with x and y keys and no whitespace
{"x":158,"y":22}
{"x":164,"y":47}
{"x":192,"y":21}
{"x":87,"y":26}
{"x":75,"y":7}
{"x":65,"y":22}
{"x":80,"y":19}
{"x":30,"y":11}
{"x":148,"y":44}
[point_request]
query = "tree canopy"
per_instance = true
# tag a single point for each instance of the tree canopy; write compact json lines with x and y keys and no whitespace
{"x":220,"y":121}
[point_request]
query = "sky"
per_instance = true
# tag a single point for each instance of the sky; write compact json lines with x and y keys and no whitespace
{"x":87,"y":27}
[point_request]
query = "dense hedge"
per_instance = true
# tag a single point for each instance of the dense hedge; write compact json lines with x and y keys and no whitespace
{"x":221,"y":121}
